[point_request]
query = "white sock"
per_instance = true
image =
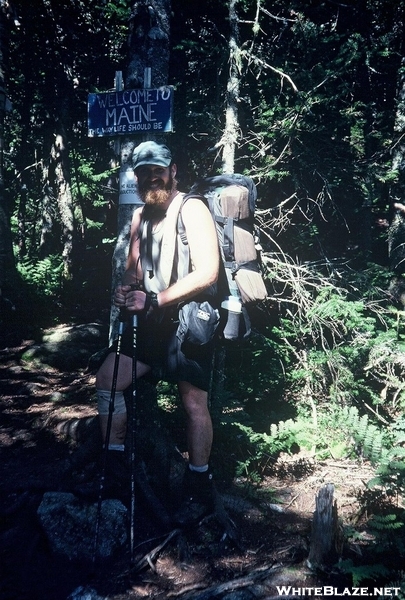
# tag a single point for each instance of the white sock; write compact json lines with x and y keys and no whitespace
{"x":119,"y":447}
{"x":202,"y":469}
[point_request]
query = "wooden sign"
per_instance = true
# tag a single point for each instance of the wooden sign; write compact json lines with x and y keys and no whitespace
{"x":130,"y":112}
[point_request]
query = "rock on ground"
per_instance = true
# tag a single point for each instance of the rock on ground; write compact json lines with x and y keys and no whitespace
{"x":69,"y":525}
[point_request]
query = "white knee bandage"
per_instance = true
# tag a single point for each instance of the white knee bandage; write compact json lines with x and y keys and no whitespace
{"x":103,"y":402}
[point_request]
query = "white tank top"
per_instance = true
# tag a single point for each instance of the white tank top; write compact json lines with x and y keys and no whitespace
{"x":164,"y":257}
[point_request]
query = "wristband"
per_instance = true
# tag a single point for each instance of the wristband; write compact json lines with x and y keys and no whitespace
{"x":154,"y":300}
{"x":151,"y":301}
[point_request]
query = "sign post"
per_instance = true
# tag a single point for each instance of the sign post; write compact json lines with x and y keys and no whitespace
{"x":148,"y":112}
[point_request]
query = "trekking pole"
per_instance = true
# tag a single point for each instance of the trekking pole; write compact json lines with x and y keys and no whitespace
{"x":133,"y":435}
{"x":122,"y":319}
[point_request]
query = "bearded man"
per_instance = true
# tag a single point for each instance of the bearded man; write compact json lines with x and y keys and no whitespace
{"x":157,"y":282}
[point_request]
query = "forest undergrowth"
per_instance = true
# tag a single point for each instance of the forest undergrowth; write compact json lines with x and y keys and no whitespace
{"x":321,"y":379}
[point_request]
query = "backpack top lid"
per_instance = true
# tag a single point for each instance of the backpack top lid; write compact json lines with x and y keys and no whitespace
{"x":210,"y":184}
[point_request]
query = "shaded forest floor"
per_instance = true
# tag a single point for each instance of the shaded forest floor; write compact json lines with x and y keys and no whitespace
{"x":41,"y":407}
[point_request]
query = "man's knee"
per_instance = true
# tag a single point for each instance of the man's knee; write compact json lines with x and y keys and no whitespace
{"x":194,"y":399}
{"x":104,"y":375}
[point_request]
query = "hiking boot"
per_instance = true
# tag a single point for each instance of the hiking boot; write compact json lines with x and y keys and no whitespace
{"x":116,"y":481}
{"x":117,"y":477}
{"x":198,"y":498}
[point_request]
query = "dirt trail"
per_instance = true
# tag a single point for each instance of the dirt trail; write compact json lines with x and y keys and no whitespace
{"x":41,"y":408}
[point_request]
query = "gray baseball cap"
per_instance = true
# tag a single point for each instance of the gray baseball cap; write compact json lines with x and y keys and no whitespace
{"x":151,"y":153}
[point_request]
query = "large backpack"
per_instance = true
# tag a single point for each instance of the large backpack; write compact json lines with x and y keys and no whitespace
{"x":232,"y":202}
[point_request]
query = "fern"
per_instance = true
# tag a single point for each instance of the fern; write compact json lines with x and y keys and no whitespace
{"x":362,"y":573}
{"x":391,"y":471}
{"x":265,"y":447}
{"x":43,"y":276}
{"x":385,"y":522}
{"x":388,"y":531}
{"x":367,"y":436}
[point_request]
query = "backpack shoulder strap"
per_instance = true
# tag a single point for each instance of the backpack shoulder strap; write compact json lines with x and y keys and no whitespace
{"x":181,"y":230}
{"x":169,"y":241}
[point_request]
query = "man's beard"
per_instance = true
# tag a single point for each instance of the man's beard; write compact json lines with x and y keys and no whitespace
{"x":158,"y":197}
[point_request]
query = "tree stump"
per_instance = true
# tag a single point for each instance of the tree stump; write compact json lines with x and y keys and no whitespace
{"x":326,"y":533}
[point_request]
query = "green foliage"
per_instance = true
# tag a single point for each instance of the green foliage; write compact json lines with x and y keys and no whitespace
{"x":262,"y":449}
{"x":324,"y":369}
{"x":362,"y":573}
{"x":42,"y":276}
{"x":290,"y":433}
{"x":383,"y":553}
{"x":391,"y":472}
{"x":315,"y":113}
{"x":385,"y":522}
{"x":259,"y":449}
{"x":370,"y":441}
{"x":335,"y":357}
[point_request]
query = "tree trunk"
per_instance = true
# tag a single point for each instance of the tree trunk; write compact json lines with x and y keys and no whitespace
{"x":228,"y":142}
{"x":149,"y":47}
{"x":396,"y":232}
{"x":231,"y":132}
{"x":149,"y":44}
{"x":124,"y":218}
{"x":59,"y":155}
{"x":6,"y":253}
{"x":326,"y":538}
{"x":46,"y":220}
{"x":22,"y":233}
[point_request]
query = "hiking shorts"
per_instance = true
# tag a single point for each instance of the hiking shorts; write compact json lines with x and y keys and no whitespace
{"x":158,"y":347}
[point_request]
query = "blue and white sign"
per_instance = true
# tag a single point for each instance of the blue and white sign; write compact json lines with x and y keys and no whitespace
{"x":129,"y":188}
{"x":130,"y":111}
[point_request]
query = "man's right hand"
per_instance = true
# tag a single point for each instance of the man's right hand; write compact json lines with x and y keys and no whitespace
{"x":120,"y":295}
{"x":125,"y":296}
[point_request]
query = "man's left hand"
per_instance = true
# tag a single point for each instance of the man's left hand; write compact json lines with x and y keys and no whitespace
{"x":135,"y":301}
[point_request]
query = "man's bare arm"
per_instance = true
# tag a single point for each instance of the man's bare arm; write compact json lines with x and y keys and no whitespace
{"x":203,"y":243}
{"x":133,"y":272}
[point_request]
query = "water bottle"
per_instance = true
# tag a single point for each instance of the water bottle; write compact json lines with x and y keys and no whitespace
{"x":234,"y":307}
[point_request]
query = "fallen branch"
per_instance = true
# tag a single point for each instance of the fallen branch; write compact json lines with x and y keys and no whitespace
{"x":148,"y":559}
{"x":229,"y":586}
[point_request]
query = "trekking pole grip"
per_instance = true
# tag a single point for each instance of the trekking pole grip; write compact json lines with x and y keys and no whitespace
{"x":123,"y":315}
